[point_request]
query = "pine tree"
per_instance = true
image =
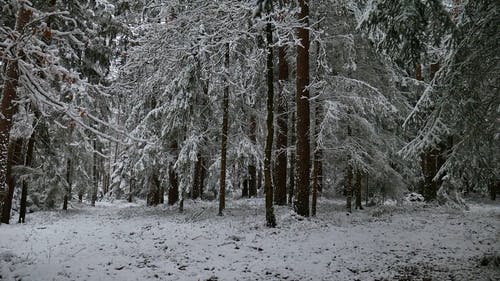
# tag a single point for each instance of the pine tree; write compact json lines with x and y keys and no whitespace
{"x":302,"y":103}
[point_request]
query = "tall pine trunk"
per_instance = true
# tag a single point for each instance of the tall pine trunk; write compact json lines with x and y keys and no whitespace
{"x":195,"y":191}
{"x":291,"y":178}
{"x":252,"y":170}
{"x":173,"y":188}
{"x":93,"y":195}
{"x":67,"y":191}
{"x":317,"y":159}
{"x":281,"y":134}
{"x":302,"y":100}
{"x":280,"y":172}
{"x":348,"y":181}
{"x":268,"y":186}
{"x":358,"y":190}
{"x":348,"y":189}
{"x":8,"y":106}
{"x":14,"y":158}
{"x":24,"y":192}
{"x":225,"y":128}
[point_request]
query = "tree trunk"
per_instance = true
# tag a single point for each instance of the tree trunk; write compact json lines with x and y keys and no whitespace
{"x":173,"y":190}
{"x":291,"y":178}
{"x":252,"y":171}
{"x":317,"y":159}
{"x":131,"y":187}
{"x":203,"y":173}
{"x":7,"y":106}
{"x":348,"y":189}
{"x":358,"y":191}
{"x":14,"y":158}
{"x":67,"y":192}
{"x":303,"y":146}
{"x":268,"y":185}
{"x":493,"y":189}
{"x":282,"y":131}
{"x":94,"y":175}
{"x":154,"y":190}
{"x":225,"y":128}
{"x":195,"y":191}
{"x":24,"y":192}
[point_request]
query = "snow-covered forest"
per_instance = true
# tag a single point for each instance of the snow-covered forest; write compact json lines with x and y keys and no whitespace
{"x":250,"y":140}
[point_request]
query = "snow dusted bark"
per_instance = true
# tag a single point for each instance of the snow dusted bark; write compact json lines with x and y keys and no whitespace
{"x":252,"y":170}
{"x":7,"y":110}
{"x":317,"y":159}
{"x":358,"y":191}
{"x":348,"y":189}
{"x":9,"y":95}
{"x":303,"y":146}
{"x":14,"y":158}
{"x":225,"y":125}
{"x":268,"y":185}
{"x":291,"y":177}
{"x":282,"y":129}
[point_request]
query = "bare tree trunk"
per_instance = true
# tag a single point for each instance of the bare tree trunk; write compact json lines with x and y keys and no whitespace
{"x":225,"y":128}
{"x":493,"y":189}
{"x":24,"y":192}
{"x":282,"y":131}
{"x":195,"y":191}
{"x":268,"y":185}
{"x":67,"y":191}
{"x":358,"y":190}
{"x":317,"y":158}
{"x":173,"y":190}
{"x":7,"y":106}
{"x":349,"y":189}
{"x":303,"y":146}
{"x":93,"y":195}
{"x":14,"y":158}
{"x":203,"y":174}
{"x":291,"y":178}
{"x":252,"y":171}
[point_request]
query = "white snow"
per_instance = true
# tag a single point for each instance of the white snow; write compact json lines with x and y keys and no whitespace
{"x":123,"y":241}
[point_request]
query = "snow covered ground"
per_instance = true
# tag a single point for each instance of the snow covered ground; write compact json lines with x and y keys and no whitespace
{"x":121,"y":241}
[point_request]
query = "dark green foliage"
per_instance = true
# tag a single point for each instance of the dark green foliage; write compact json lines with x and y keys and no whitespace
{"x":405,"y":28}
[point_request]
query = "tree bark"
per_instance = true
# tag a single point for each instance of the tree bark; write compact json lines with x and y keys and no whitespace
{"x":268,"y":185}
{"x":93,"y":195}
{"x":195,"y":191}
{"x":349,"y":189}
{"x":14,"y":158}
{"x":303,"y":146}
{"x":291,"y":178}
{"x":358,"y":191}
{"x":225,"y":128}
{"x":7,"y":106}
{"x":67,"y":192}
{"x":317,"y":159}
{"x":24,"y":192}
{"x":493,"y":190}
{"x":173,"y":190}
{"x":280,"y":172}
{"x":252,"y":170}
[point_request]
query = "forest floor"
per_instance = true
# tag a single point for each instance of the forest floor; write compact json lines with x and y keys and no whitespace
{"x":123,"y":241}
